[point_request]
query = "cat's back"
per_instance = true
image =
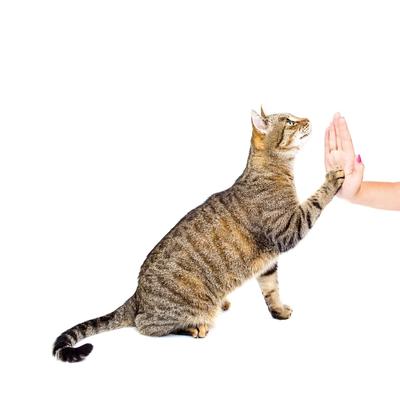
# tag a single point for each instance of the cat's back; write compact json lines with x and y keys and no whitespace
{"x":216,"y":232}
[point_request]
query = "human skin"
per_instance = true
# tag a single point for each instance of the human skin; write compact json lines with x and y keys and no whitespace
{"x":339,"y":152}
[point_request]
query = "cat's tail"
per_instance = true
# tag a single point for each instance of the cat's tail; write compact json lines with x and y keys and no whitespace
{"x":63,"y":347}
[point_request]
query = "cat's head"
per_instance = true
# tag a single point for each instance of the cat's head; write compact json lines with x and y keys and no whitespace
{"x":281,"y":135}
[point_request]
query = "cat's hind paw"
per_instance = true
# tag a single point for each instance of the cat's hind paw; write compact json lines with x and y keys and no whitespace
{"x":195,"y":331}
{"x":283,"y":312}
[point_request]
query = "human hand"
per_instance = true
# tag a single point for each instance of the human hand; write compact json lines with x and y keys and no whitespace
{"x":339,"y":153}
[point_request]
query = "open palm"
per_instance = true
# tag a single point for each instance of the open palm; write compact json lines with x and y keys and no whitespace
{"x":339,"y":153}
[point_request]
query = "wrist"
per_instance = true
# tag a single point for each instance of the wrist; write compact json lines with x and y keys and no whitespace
{"x":355,"y":198}
{"x":352,"y":196}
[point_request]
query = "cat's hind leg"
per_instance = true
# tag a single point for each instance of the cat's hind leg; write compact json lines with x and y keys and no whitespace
{"x":268,"y":282}
{"x":152,"y":325}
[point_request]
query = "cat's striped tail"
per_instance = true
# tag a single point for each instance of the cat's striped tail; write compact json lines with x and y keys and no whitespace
{"x":63,"y":347}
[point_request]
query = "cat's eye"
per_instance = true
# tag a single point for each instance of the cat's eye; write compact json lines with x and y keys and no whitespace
{"x":289,"y":122}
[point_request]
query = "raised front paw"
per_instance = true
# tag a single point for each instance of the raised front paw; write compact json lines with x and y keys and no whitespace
{"x":335,"y":178}
{"x":282,"y":312}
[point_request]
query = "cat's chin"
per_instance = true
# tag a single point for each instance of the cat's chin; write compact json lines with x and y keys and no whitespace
{"x":303,"y":140}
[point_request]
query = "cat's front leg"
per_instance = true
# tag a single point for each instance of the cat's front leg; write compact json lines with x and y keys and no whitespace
{"x":320,"y":199}
{"x":311,"y":209}
{"x":268,"y":282}
{"x":294,"y":225}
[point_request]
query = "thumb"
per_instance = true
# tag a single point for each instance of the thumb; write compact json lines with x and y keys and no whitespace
{"x":358,"y":167}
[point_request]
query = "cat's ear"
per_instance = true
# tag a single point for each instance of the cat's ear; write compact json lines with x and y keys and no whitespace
{"x":258,"y":123}
{"x":262,"y":112}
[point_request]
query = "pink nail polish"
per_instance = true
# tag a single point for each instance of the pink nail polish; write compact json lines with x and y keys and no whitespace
{"x":359,"y":159}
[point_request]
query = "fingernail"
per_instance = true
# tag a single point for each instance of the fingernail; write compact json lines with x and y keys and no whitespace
{"x":359,"y":159}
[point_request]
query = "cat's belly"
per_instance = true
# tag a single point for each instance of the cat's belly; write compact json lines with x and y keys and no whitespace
{"x":244,"y":271}
{"x":263,"y":263}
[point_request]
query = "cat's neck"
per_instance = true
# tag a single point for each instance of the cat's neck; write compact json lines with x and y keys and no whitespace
{"x":261,"y":164}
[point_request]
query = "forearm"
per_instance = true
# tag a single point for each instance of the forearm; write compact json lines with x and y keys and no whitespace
{"x":384,"y":195}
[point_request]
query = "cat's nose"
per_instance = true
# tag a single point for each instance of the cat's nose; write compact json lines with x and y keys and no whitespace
{"x":305,"y":123}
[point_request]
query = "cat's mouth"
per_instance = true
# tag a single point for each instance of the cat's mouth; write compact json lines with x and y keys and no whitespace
{"x":306,"y":131}
{"x":305,"y":135}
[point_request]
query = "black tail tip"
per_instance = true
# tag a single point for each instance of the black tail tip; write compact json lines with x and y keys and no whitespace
{"x":75,"y":354}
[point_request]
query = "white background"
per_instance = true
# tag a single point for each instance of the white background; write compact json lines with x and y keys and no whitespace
{"x":116,"y":118}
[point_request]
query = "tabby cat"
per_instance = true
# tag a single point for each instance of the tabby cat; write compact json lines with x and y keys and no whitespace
{"x":233,"y":236}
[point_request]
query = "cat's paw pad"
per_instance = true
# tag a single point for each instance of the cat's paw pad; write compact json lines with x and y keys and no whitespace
{"x":225,"y":305}
{"x":336,"y":177}
{"x":283,"y":312}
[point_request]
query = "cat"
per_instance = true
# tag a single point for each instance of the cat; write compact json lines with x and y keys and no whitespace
{"x":233,"y":236}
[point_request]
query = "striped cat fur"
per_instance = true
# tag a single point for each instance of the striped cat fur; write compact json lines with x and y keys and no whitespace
{"x":233,"y":236}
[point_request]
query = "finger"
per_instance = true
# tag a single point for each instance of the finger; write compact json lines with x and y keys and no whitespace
{"x":336,"y":127}
{"x":359,"y":168}
{"x":332,"y":138}
{"x":358,"y":174}
{"x":336,"y":115}
{"x":345,"y":136}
